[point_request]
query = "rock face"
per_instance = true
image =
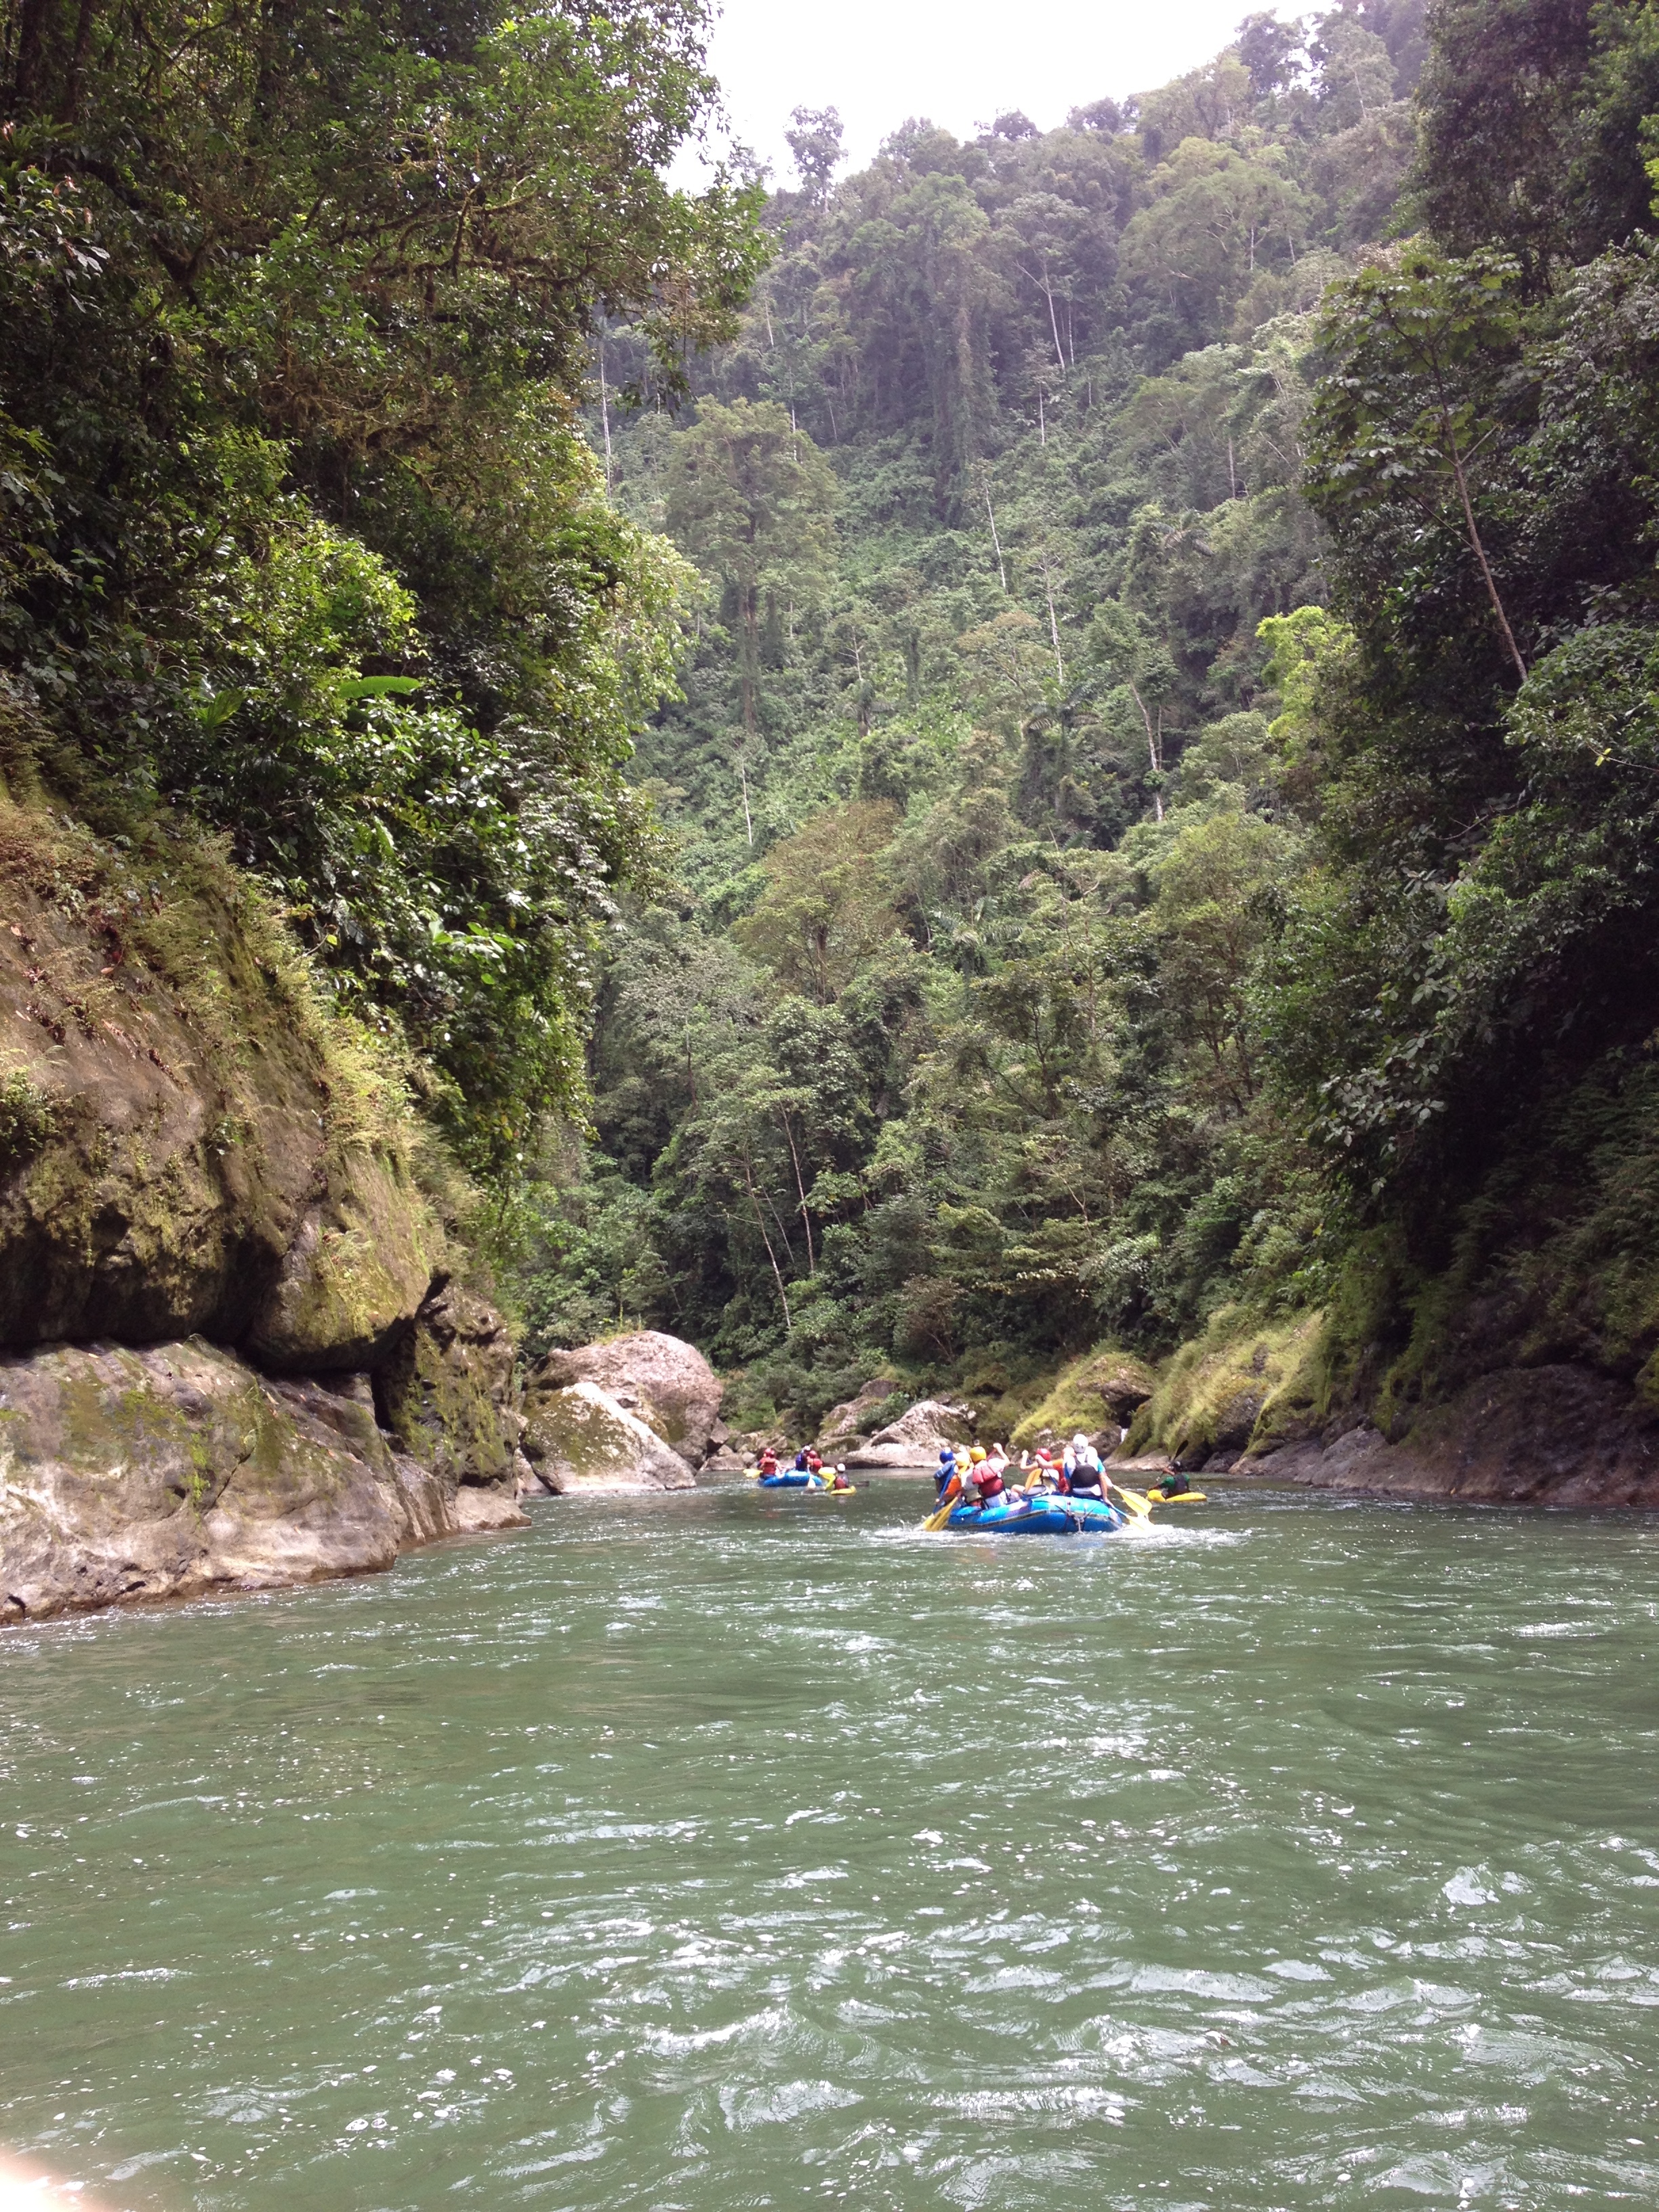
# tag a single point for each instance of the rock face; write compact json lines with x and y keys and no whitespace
{"x":914,"y":1439}
{"x":578,"y":1437}
{"x":845,"y":1427}
{"x":205,"y":1188}
{"x":1557,"y":1434}
{"x":1099,"y":1393}
{"x":175,"y":1469}
{"x":660,"y":1380}
{"x":187,"y":1143}
{"x":354,"y":1276}
{"x":447,"y":1393}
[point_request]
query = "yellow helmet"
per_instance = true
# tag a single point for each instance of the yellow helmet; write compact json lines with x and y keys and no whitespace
{"x":977,"y":1455}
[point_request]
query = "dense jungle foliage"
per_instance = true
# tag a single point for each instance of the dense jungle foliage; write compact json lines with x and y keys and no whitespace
{"x":1164,"y":794}
{"x":298,"y":530}
{"x":1160,"y":798}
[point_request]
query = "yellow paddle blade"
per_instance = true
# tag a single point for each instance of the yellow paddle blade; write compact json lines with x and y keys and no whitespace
{"x":937,"y":1521}
{"x":1133,"y":1499}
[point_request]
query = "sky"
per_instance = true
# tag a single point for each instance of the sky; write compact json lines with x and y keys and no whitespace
{"x":959,"y":63}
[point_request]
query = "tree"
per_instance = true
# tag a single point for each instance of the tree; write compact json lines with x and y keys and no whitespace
{"x":752,"y":499}
{"x":295,"y":309}
{"x":824,"y":913}
{"x":816,"y":143}
{"x":1532,"y":128}
{"x":1216,"y":215}
{"x":1267,"y":49}
{"x":1410,"y":415}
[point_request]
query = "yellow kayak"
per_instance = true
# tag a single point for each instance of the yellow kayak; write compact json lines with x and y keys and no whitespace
{"x":1181,"y":1497}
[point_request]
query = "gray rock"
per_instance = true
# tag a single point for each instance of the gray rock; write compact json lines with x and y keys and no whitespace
{"x":446,"y":1392}
{"x":176,"y":1469}
{"x":580,"y":1438}
{"x":658,"y":1379}
{"x":1557,"y":1434}
{"x":845,"y":1427}
{"x":914,"y":1439}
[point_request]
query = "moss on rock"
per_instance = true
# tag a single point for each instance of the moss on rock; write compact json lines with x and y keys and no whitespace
{"x":446,"y":1392}
{"x":179,"y":1104}
{"x":1244,"y":1386}
{"x":1100,"y":1391}
{"x":579,"y":1438}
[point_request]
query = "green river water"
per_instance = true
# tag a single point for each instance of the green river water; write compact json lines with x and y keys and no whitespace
{"x":748,"y":1851}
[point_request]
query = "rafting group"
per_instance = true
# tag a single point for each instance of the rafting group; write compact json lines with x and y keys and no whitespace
{"x":805,"y":1472}
{"x":974,"y":1487}
{"x":1074,"y":1495}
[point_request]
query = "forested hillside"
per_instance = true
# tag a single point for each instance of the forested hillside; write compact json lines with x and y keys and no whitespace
{"x":300,"y":542}
{"x":1162,"y":797}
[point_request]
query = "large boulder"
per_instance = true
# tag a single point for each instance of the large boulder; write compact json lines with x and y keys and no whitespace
{"x":446,"y":1392}
{"x":660,"y":1380}
{"x":914,"y":1439}
{"x":578,"y":1437}
{"x":175,"y":1469}
{"x":845,"y":1427}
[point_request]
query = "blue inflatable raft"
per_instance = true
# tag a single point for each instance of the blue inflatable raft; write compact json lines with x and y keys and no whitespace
{"x":789,"y":1479}
{"x":1050,"y":1516}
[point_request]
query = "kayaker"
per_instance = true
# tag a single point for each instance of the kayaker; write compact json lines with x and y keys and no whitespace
{"x":839,"y":1480}
{"x":1171,"y":1482}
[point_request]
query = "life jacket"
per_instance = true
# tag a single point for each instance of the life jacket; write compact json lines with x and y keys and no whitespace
{"x":801,"y":1462}
{"x":1085,"y":1482}
{"x":988,"y":1482}
{"x":769,"y":1463}
{"x":811,"y":1462}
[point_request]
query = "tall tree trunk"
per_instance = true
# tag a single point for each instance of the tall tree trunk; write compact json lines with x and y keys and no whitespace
{"x":1154,"y":748}
{"x":806,"y":1218}
{"x":749,"y":601}
{"x":31,"y":42}
{"x":1462,"y":483}
{"x":777,"y":1271}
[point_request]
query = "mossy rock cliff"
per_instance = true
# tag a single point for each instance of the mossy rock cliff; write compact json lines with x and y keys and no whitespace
{"x":191,"y":1140}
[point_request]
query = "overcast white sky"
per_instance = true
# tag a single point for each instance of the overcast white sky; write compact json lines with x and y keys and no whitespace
{"x":958,"y":62}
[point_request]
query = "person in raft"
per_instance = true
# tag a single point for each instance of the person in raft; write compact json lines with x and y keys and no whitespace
{"x":768,"y":1461}
{"x":987,"y":1478}
{"x":1082,"y":1475}
{"x":945,"y":1473}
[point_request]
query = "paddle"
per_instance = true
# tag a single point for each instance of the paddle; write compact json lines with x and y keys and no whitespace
{"x":937,"y":1519}
{"x":1133,"y":1499}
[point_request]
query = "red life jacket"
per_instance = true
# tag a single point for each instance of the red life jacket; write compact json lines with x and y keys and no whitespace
{"x":988,"y":1482}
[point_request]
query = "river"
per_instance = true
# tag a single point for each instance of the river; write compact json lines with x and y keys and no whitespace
{"x":746,"y":1852}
